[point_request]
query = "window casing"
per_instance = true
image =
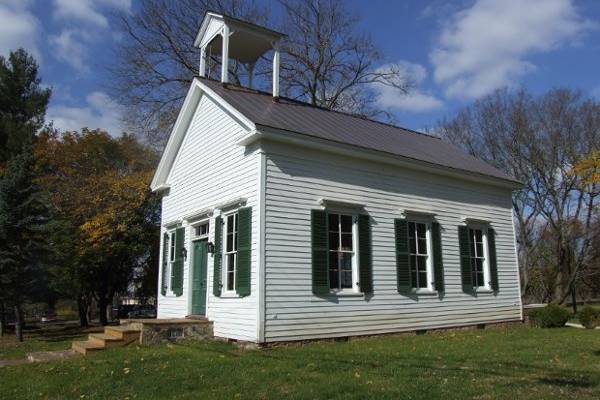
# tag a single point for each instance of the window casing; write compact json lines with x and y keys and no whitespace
{"x":342,"y":262}
{"x":421,"y":266}
{"x":479,"y":257}
{"x":171,"y":259}
{"x":230,"y":239}
{"x":202,"y":230}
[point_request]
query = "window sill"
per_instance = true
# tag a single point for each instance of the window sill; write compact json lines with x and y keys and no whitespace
{"x":424,"y":292}
{"x":346,"y":294}
{"x":230,"y":295}
{"x":483,"y":290}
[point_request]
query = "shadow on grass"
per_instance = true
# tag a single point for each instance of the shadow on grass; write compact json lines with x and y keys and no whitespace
{"x":581,"y":382}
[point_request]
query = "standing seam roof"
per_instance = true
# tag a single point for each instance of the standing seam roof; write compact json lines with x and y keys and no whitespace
{"x":295,"y":116}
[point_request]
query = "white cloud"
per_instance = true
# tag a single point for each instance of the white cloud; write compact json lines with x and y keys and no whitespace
{"x":100,"y":111}
{"x":484,"y":47}
{"x":69,"y":47}
{"x":18,"y":27}
{"x":82,"y":10}
{"x":415,"y":100}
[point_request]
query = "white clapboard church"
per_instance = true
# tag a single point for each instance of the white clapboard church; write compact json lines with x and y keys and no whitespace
{"x":284,"y":221}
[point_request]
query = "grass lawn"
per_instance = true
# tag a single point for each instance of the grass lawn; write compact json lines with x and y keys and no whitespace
{"x":41,"y":338}
{"x":513,"y":363}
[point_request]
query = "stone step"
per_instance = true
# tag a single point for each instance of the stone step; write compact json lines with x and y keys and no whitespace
{"x":87,"y":346}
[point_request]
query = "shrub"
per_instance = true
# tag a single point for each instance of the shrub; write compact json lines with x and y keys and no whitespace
{"x":589,"y":317}
{"x":551,"y":316}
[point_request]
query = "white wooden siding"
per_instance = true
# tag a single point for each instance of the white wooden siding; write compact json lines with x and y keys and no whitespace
{"x":208,"y":170}
{"x":296,"y":179}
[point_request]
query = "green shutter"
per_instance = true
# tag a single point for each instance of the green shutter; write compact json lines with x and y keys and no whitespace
{"x":177,"y":274}
{"x":243,"y":268}
{"x":365,"y":254}
{"x":319,"y":242}
{"x":493,"y":259}
{"x":464,"y":241}
{"x":402,"y":255}
{"x":165,"y":262}
{"x":438,"y":264}
{"x":217,"y":257}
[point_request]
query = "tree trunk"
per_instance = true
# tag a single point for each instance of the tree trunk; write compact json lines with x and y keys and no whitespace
{"x":18,"y":323}
{"x":2,"y":319}
{"x":102,"y":305}
{"x":574,"y":299}
{"x":82,"y":308}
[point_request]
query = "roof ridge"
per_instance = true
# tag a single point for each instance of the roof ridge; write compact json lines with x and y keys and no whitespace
{"x":303,"y":103}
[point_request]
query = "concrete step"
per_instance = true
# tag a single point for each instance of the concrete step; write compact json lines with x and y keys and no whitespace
{"x":86,"y":347}
{"x":105,"y":340}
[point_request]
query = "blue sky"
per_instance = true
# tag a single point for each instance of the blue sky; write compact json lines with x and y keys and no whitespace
{"x":456,"y":51}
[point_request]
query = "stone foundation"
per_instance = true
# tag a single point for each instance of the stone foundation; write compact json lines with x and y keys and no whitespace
{"x":154,"y":331}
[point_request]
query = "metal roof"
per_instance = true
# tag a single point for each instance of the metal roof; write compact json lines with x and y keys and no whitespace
{"x":294,"y":116}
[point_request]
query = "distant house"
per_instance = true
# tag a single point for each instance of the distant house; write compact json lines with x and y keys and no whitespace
{"x":284,"y":221}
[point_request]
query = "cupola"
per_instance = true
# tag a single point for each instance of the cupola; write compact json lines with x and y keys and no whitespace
{"x":232,"y":38}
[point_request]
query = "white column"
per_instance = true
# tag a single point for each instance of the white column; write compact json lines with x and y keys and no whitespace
{"x":250,"y":74}
{"x":202,"y":71}
{"x":276,"y":73}
{"x":225,"y":55}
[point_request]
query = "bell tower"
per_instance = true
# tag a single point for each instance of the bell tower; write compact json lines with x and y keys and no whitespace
{"x":232,"y":38}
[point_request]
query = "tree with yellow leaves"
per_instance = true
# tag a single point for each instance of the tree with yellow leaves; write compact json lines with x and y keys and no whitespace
{"x":105,"y":216}
{"x":588,"y":168}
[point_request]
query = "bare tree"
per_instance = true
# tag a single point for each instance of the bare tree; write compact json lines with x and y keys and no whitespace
{"x":326,"y":61}
{"x":538,"y":140}
{"x":156,"y":60}
{"x":329,"y":63}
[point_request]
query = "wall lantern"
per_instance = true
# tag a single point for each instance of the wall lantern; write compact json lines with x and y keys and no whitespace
{"x":210,"y":247}
{"x":184,"y":253}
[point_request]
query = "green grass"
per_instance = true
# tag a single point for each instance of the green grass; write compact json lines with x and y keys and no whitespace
{"x":38,"y":338}
{"x":513,"y":363}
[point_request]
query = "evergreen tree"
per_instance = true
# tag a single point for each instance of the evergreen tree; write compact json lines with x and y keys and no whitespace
{"x":23,"y":103}
{"x":22,"y":238}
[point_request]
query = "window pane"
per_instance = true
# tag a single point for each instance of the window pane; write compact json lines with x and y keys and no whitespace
{"x":346,"y":223}
{"x":423,"y":279}
{"x":347,"y":241}
{"x":333,"y":222}
{"x":422,"y":246}
{"x":230,"y":224}
{"x":236,"y":221}
{"x":413,"y":263}
{"x":412,"y":244}
{"x":478,"y":235}
{"x":229,"y":246}
{"x":421,"y":231}
{"x":346,"y":279}
{"x":333,"y":270}
{"x":411,"y":229}
{"x":479,"y":248}
{"x":334,"y":239}
{"x":413,"y":279}
{"x":422,"y":264}
{"x":479,"y":264}
{"x":480,"y":281}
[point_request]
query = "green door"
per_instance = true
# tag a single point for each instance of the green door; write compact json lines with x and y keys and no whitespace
{"x":199,"y":278}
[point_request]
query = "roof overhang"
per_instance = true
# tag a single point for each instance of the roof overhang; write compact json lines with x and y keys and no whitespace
{"x":277,"y":135}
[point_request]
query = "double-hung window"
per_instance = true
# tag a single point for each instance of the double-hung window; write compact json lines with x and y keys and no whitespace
{"x":342,"y":251}
{"x":171,"y":258}
{"x":479,"y":264}
{"x":419,"y":244}
{"x":231,"y":249}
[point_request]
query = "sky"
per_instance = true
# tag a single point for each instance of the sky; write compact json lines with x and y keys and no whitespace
{"x":455,"y":51}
